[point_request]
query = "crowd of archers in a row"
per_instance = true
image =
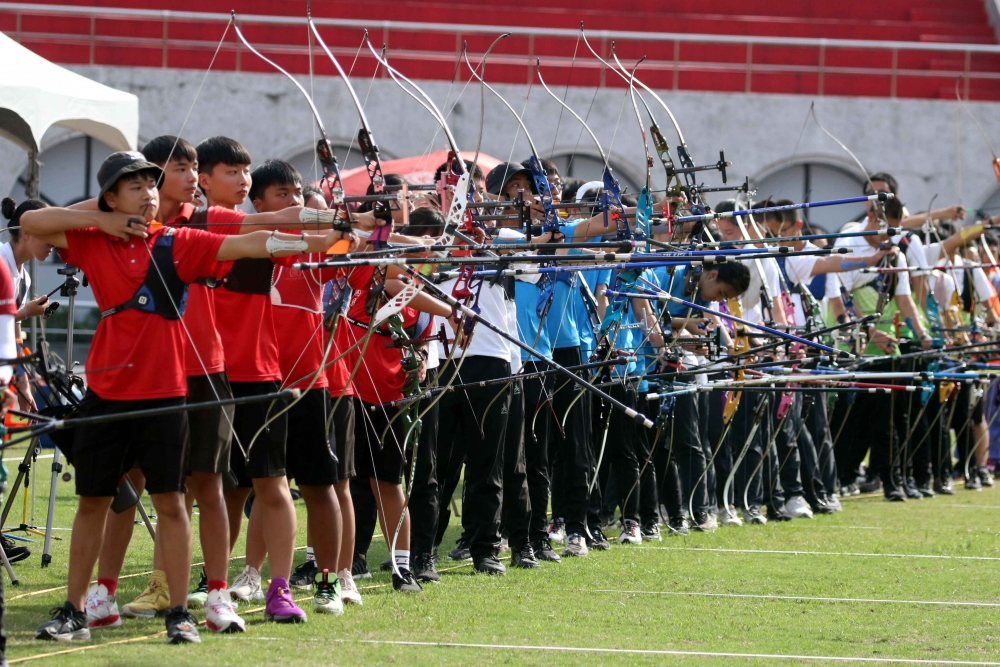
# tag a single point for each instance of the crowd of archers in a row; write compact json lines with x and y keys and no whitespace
{"x":521,"y":436}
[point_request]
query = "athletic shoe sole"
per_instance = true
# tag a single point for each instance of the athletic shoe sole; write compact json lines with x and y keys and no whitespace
{"x":184,"y":639}
{"x":229,"y":628}
{"x":332,"y":611}
{"x":109,"y":622}
{"x":82,"y":633}
{"x":285,"y":619}
{"x":128,"y":613}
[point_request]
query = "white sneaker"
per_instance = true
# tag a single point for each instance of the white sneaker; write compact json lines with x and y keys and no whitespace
{"x":349,"y":592}
{"x":729,"y":518}
{"x":326,"y":595}
{"x":833,"y":502}
{"x":797,"y":508}
{"x":220,"y":613}
{"x":557,"y":530}
{"x":630,"y":533}
{"x":246,"y":586}
{"x":102,"y":610}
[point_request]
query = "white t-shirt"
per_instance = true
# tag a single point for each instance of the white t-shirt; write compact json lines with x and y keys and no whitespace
{"x":21,"y":280}
{"x":860,"y":248}
{"x":800,"y":272}
{"x":980,"y":283}
{"x":493,"y":308}
{"x":750,"y":301}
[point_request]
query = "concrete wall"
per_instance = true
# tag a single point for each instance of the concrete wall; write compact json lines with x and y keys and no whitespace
{"x":930,"y":146}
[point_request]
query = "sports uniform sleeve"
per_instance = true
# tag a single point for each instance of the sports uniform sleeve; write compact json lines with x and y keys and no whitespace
{"x":194,"y":255}
{"x":224,"y":221}
{"x":8,"y":306}
{"x":981,"y":285}
{"x":82,"y":245}
{"x":903,"y":285}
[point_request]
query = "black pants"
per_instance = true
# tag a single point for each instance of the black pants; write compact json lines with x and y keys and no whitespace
{"x":622,"y":447}
{"x":685,"y":482}
{"x":472,"y":426}
{"x":866,"y":426}
{"x":573,"y":464}
{"x":719,"y":440}
{"x":516,"y":507}
{"x":786,"y":450}
{"x":365,"y":513}
{"x":424,"y":489}
{"x":819,"y":471}
{"x":535,"y":429}
{"x":968,"y":412}
{"x":649,"y":498}
{"x":748,"y":479}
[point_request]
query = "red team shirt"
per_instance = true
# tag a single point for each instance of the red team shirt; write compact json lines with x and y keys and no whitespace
{"x":136,"y":355}
{"x":8,"y":304}
{"x":380,"y":378}
{"x":199,"y":316}
{"x":297,"y":296}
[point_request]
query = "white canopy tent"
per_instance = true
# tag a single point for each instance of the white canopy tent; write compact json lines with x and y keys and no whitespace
{"x":36,"y":95}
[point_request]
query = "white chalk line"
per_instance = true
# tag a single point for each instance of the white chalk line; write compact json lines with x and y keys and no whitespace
{"x":819,"y":553}
{"x":801,"y":598}
{"x":636,"y":651}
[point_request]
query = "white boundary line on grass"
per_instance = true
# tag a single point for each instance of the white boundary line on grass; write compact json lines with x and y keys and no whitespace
{"x":801,"y":598}
{"x":820,"y":553}
{"x":703,"y":654}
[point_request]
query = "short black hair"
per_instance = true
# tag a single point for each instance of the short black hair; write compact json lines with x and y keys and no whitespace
{"x":790,"y":215}
{"x":167,"y":147}
{"x":548,"y":166}
{"x":221,"y":150}
{"x":893,"y":209}
{"x":425,"y":221}
{"x":312,"y":191}
{"x":475,"y":171}
{"x":13,"y":211}
{"x":885,"y":178}
{"x":388,"y":180}
{"x":734,"y":274}
{"x":272,"y":172}
{"x":570,"y":187}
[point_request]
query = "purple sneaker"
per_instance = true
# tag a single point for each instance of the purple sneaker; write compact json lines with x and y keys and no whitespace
{"x":280,"y":607}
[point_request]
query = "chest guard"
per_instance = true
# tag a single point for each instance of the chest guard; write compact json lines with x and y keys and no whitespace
{"x":162,"y":291}
{"x":248,"y":276}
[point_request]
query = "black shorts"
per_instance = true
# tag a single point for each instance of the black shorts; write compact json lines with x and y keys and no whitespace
{"x":267,"y":454}
{"x":342,"y":436}
{"x":373,"y":457}
{"x":311,"y":460}
{"x":211,"y":429}
{"x":103,"y":452}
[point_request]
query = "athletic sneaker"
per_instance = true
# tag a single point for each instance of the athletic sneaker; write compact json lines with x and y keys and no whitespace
{"x":944,"y":486}
{"x":424,"y":570}
{"x":705,"y":522}
{"x":349,"y":593}
{"x":597,"y":540}
{"x":871,"y":484}
{"x":677,"y":525}
{"x":461,"y":551}
{"x":67,"y":623}
{"x":181,"y":627}
{"x":630,"y":533}
{"x":304,"y":576}
{"x":488,"y":564}
{"x":728,"y":516}
{"x":557,"y":530}
{"x":246,"y":586}
{"x":985,"y":478}
{"x":196,"y":598}
{"x":404,"y":582}
{"x":220,"y":613}
{"x":326,"y":598}
{"x":544,"y":551}
{"x":852,"y":489}
{"x":651,"y":532}
{"x":359,"y":567}
{"x":17,"y":553}
{"x":833,"y":502}
{"x":896,"y":496}
{"x":778,"y":514}
{"x":576,"y":545}
{"x":797,"y":508}
{"x":386,"y":565}
{"x":101,"y":608}
{"x":524,"y":558}
{"x":280,"y":607}
{"x":154,"y":601}
{"x":754,"y":515}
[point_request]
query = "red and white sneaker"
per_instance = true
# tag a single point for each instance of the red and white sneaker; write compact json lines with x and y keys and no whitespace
{"x":220,"y":613}
{"x":101,"y":608}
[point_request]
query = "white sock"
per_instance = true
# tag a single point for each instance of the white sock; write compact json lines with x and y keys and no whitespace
{"x":402,"y":558}
{"x":310,"y":554}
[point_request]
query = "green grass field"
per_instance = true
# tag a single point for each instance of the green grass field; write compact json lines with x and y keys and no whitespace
{"x":754,"y":591}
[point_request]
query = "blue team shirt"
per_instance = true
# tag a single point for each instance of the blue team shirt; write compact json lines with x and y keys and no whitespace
{"x":563,"y":321}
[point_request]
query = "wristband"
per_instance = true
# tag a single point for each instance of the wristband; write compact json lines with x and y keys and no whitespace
{"x":274,"y":244}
